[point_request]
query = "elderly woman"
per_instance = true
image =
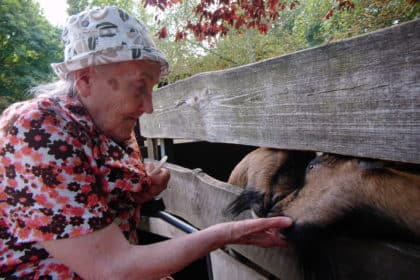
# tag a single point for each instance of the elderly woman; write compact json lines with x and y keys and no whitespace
{"x":71,"y":181}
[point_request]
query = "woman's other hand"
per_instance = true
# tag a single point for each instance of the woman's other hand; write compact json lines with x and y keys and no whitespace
{"x":160,"y":180}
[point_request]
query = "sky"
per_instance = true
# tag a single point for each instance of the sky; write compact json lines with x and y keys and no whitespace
{"x":54,"y":11}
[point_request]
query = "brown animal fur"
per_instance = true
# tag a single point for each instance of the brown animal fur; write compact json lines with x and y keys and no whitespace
{"x":337,"y":185}
{"x":273,"y":173}
{"x":249,"y":173}
{"x":340,"y":196}
{"x":334,"y":186}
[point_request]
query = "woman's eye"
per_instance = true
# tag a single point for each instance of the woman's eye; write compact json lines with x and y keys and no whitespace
{"x":140,"y":89}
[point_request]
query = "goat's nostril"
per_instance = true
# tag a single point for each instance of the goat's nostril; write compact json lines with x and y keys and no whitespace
{"x":271,"y":214}
{"x":275,"y":211}
{"x":254,"y":215}
{"x":257,"y":211}
{"x":260,"y":211}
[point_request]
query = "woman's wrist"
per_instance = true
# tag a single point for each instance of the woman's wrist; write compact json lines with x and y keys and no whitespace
{"x":219,"y":235}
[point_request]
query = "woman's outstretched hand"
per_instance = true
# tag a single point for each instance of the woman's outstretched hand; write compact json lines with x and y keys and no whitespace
{"x":262,"y":232}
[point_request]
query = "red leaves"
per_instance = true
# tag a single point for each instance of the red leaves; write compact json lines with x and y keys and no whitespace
{"x":263,"y":28}
{"x":163,"y":33}
{"x":272,"y":5}
{"x":216,"y":18}
{"x":345,"y":5}
{"x":342,"y":5}
{"x":329,"y":14}
{"x":180,"y":35}
{"x":161,"y":4}
{"x":239,"y":23}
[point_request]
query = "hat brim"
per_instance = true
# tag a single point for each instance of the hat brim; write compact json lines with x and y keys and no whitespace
{"x":111,"y":55}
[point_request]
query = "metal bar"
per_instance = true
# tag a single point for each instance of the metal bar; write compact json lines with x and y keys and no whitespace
{"x":178,"y":223}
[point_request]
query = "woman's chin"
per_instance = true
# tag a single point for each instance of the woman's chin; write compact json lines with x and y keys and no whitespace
{"x":121,"y":137}
{"x":123,"y":132}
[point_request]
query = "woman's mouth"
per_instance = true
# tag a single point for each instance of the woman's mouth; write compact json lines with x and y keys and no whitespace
{"x":134,"y":118}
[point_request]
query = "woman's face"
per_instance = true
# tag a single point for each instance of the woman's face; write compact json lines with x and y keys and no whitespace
{"x":119,"y":94}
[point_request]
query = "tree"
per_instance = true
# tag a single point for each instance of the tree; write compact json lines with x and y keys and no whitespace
{"x":76,"y":6}
{"x":217,"y":35}
{"x":310,"y":23}
{"x":213,"y":35}
{"x":368,"y":16}
{"x":217,"y":18}
{"x":29,"y":44}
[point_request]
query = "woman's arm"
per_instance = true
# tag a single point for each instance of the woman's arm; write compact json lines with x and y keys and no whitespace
{"x":106,"y":254}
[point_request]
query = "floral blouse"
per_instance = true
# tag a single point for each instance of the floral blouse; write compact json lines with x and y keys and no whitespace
{"x":60,"y":178}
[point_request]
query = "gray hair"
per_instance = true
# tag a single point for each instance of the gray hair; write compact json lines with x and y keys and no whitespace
{"x":57,"y":88}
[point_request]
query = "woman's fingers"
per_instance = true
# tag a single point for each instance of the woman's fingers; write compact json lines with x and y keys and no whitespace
{"x":148,"y":166}
{"x":263,"y":232}
{"x":159,"y":183}
{"x":161,"y":178}
{"x":268,"y":238}
{"x":254,"y":225}
{"x":156,"y":169}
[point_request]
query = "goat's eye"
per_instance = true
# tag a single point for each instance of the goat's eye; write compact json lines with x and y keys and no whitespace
{"x":310,"y":167}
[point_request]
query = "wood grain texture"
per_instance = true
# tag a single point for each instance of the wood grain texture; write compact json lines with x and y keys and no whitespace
{"x":200,"y":200}
{"x":224,"y":267}
{"x":357,"y":97}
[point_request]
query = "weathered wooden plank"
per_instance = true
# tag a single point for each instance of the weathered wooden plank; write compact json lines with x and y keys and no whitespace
{"x":200,"y":199}
{"x":356,"y":97}
{"x":227,"y":268}
{"x":152,"y":148}
{"x":224,"y":267}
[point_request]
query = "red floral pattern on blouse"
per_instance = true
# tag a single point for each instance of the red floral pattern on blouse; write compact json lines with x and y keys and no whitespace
{"x":59,"y":178}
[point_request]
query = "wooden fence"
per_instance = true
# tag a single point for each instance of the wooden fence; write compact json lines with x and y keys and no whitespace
{"x":358,"y":97}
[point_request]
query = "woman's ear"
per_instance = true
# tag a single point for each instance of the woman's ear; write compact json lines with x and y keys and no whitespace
{"x":83,"y":81}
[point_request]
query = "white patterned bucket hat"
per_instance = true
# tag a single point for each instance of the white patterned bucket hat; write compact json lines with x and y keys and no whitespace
{"x":106,"y":35}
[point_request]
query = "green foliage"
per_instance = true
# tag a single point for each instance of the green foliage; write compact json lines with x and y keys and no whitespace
{"x":303,"y":27}
{"x":29,"y":44}
{"x":369,"y":16}
{"x":76,"y":6}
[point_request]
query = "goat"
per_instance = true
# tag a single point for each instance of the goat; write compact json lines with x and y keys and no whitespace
{"x":338,"y":195}
{"x":275,"y":172}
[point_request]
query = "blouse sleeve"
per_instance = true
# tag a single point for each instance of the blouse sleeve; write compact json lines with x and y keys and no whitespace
{"x":48,"y":179}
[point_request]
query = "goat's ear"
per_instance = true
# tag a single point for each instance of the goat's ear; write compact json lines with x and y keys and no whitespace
{"x":366,"y":164}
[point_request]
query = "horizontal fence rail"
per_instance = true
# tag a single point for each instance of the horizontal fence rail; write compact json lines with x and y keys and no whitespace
{"x":357,"y":97}
{"x":200,"y":199}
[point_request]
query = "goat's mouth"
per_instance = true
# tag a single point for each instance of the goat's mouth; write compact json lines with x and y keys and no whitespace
{"x":261,"y":204}
{"x":253,"y":200}
{"x":244,"y":201}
